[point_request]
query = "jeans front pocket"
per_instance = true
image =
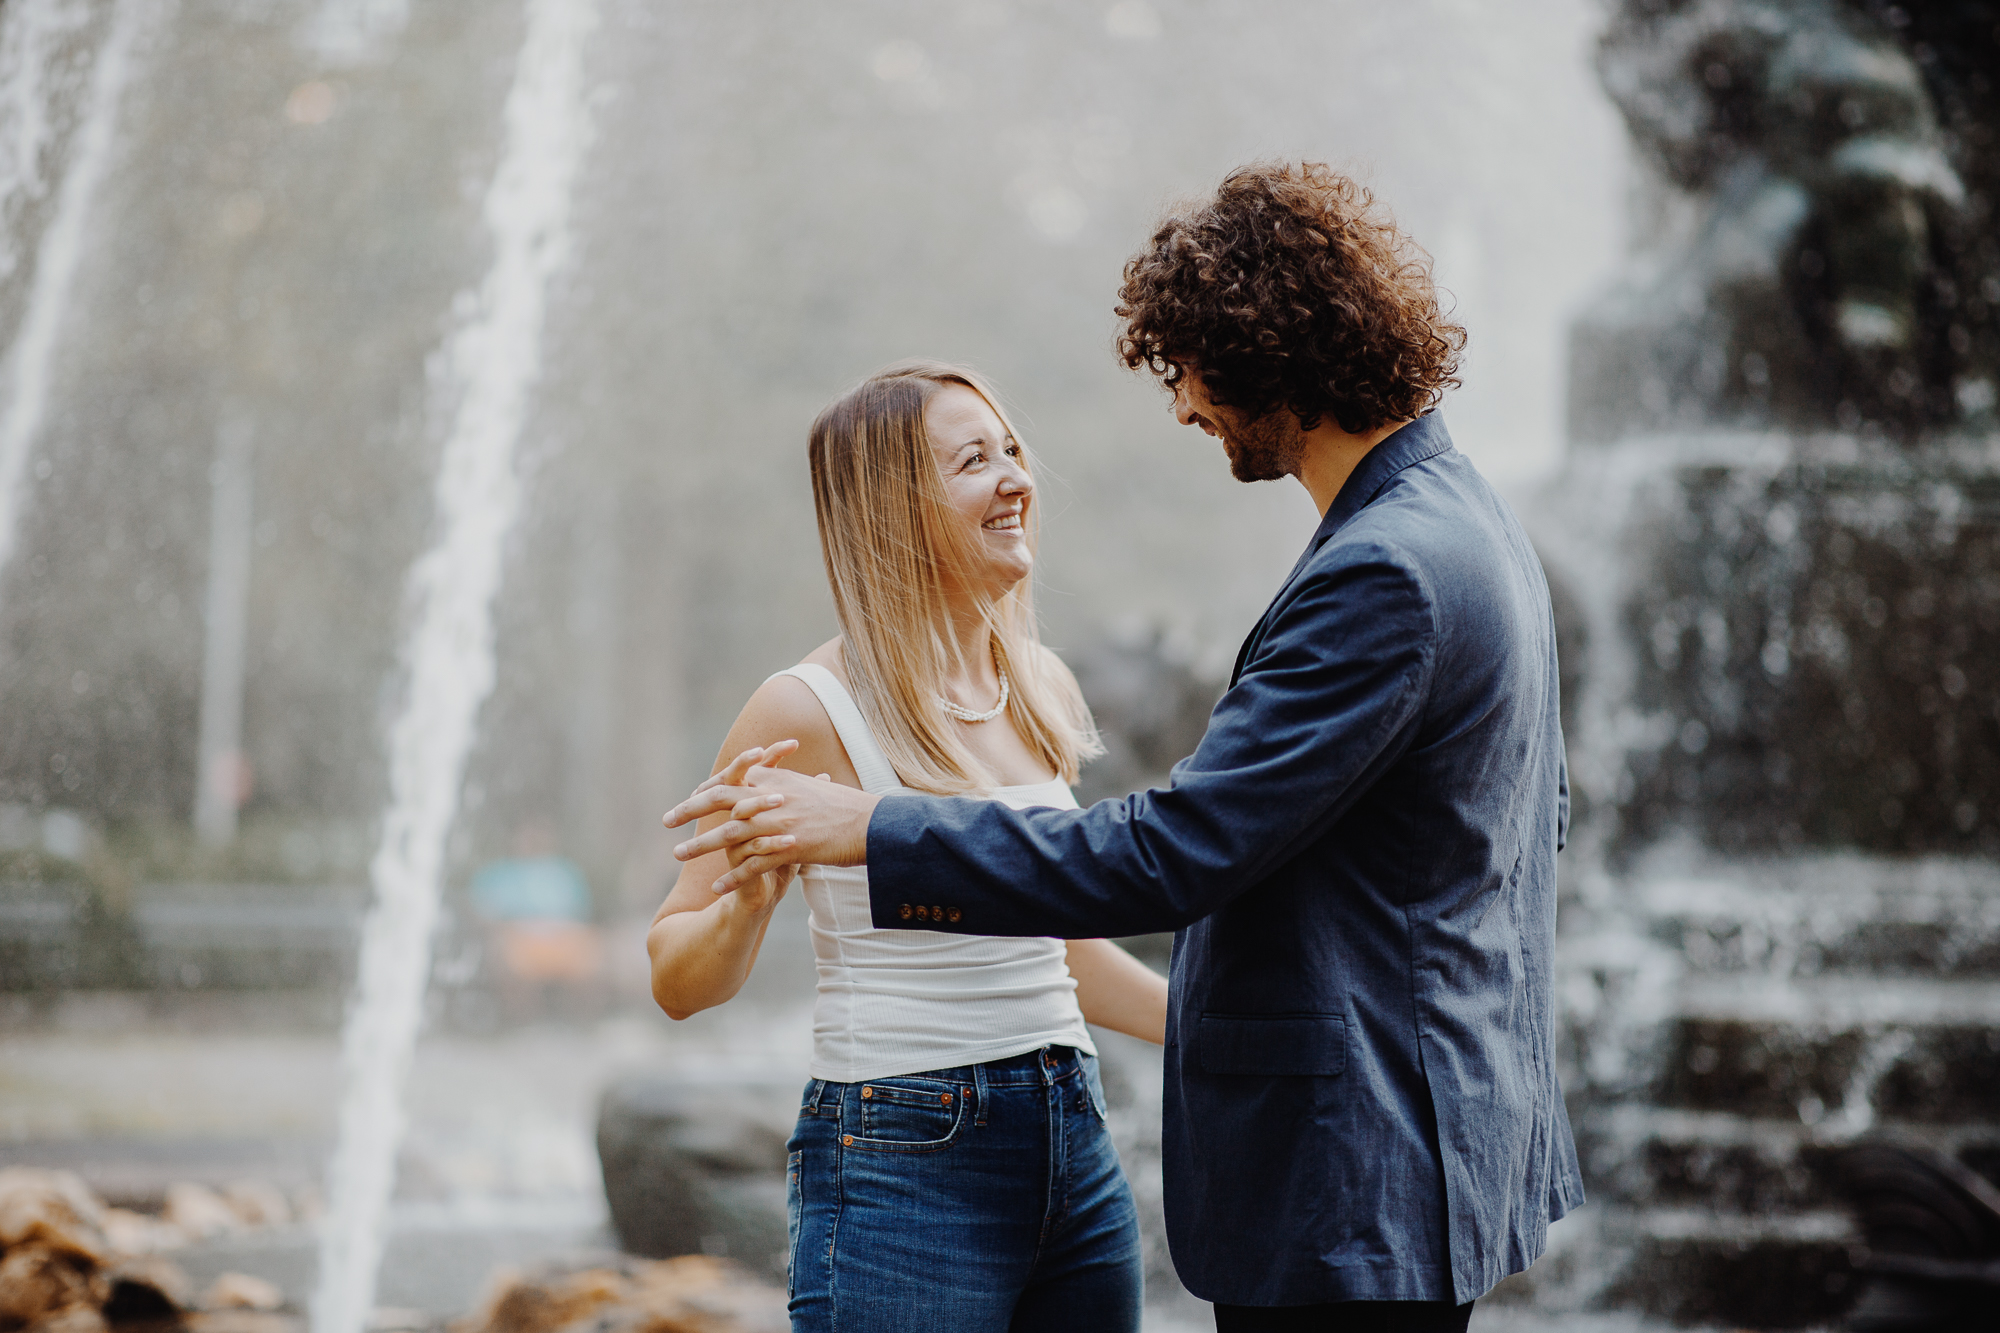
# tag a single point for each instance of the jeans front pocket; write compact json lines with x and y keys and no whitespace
{"x":902,"y":1115}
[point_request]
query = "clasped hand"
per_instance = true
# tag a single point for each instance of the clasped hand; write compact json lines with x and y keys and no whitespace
{"x":776,"y":818}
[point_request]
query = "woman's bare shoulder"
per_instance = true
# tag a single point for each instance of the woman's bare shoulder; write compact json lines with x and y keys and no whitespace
{"x":785,"y":708}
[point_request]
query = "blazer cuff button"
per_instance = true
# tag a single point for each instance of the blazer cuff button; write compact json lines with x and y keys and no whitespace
{"x":955,"y":914}
{"x":906,"y":912}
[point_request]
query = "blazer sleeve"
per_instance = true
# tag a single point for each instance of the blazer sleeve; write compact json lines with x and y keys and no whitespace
{"x":1325,"y":703}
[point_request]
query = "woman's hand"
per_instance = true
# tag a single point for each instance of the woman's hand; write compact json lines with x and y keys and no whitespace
{"x":764,"y":892}
{"x":775,"y":817}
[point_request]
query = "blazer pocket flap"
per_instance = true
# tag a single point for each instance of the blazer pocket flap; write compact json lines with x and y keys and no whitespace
{"x":1287,"y":1045}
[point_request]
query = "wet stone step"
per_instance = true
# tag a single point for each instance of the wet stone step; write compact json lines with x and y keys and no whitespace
{"x":1693,"y":1266}
{"x":1737,"y":1274}
{"x":1932,"y":917}
{"x":1643,"y":1156}
{"x":1939,"y":948}
{"x":1939,"y":1073}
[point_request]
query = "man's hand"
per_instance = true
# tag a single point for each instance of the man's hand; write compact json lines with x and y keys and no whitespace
{"x":776,"y":818}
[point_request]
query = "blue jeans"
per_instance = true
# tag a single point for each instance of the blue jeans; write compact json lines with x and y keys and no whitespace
{"x":976,"y":1199}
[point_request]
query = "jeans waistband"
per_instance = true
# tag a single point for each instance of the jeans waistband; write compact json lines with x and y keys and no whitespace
{"x":1048,"y":1064}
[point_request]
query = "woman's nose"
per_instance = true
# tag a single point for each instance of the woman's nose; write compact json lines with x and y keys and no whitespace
{"x":1014,"y":480}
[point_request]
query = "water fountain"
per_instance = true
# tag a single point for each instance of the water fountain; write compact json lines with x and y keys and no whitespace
{"x":288,"y":205}
{"x":1777,"y":551}
{"x":39,"y":100}
{"x":483,"y":379}
{"x":219,"y":784}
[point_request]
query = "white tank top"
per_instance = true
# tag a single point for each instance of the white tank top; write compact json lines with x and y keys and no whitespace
{"x":904,"y":1001}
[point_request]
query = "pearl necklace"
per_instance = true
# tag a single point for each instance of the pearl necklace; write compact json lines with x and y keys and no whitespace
{"x":964,"y":714}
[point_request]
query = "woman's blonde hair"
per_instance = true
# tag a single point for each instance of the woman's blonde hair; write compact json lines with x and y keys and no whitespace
{"x":890,"y":541}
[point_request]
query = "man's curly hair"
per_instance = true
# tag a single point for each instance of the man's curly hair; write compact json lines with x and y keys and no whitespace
{"x":1291,"y":289}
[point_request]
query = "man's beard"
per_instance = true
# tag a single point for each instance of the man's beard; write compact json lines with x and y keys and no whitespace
{"x":1265,"y":449}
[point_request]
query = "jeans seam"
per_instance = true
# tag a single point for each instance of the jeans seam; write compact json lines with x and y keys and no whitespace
{"x":833,"y":1219}
{"x":795,"y":1207}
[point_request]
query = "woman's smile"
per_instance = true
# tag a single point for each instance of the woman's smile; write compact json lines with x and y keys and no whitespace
{"x":986,"y":483}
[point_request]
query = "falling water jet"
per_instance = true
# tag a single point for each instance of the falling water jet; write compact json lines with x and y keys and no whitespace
{"x":484,"y":373}
{"x":34,"y":84}
{"x":219,"y":775}
{"x":348,"y":32}
{"x":32,"y":356}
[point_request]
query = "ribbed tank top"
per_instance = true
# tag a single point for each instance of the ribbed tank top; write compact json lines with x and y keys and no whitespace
{"x":905,"y":1001}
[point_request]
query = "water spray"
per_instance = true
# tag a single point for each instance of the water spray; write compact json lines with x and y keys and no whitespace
{"x":484,"y":374}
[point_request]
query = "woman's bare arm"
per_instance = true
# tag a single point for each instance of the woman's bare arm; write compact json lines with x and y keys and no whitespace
{"x":702,"y":946}
{"x":1117,"y":991}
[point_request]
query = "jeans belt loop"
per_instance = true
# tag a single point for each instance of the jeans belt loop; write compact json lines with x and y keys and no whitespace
{"x":979,"y":1096}
{"x":813,"y":1095}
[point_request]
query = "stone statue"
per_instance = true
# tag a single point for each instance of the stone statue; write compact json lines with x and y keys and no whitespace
{"x":1822,"y":248}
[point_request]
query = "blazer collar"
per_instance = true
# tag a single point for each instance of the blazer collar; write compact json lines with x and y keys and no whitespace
{"x":1423,"y":438}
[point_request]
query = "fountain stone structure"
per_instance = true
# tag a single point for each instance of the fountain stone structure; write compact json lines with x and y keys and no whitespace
{"x":1776,"y":555}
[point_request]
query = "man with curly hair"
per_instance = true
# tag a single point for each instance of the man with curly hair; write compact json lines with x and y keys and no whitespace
{"x":1363,"y":1128}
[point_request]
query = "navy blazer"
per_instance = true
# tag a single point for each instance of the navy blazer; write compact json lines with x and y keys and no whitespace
{"x":1360,"y":860}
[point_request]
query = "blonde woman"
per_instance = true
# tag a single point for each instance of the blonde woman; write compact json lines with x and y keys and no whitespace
{"x":950,"y":1169}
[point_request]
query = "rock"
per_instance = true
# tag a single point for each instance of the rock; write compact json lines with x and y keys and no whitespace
{"x":199,"y":1211}
{"x":242,"y":1321}
{"x":521,"y":1305}
{"x":240,"y":1291}
{"x":146,"y":1290}
{"x":70,"y":1319}
{"x":691,"y":1294}
{"x":705,"y":1295}
{"x":696,"y":1169}
{"x":52,"y":1209}
{"x":38,"y":1282}
{"x":258,"y":1203}
{"x":71,"y":1265}
{"x":139,"y":1233}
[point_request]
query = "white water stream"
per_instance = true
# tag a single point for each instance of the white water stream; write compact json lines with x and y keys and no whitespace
{"x":33,"y":28}
{"x":225,"y":633}
{"x":34,"y":84}
{"x":349,"y":32}
{"x":484,"y":376}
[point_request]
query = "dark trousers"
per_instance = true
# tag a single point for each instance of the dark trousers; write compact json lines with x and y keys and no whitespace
{"x":1345,"y":1317}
